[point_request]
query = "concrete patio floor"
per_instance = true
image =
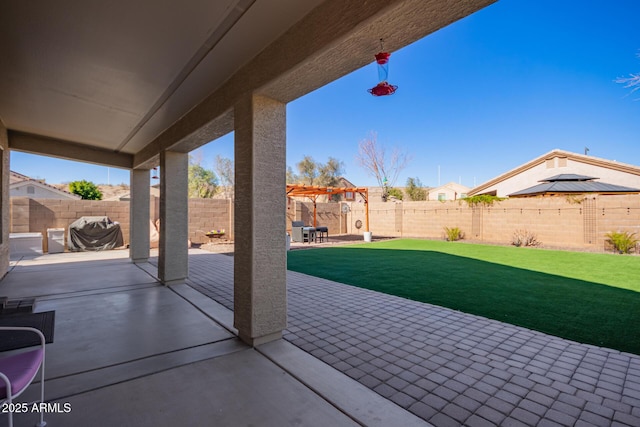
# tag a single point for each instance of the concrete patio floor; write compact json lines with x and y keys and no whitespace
{"x":130,"y":352}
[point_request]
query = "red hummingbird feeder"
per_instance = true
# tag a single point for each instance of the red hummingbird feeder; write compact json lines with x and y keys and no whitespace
{"x":383,"y":88}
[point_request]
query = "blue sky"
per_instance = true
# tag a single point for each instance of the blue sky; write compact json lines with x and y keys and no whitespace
{"x":475,"y":99}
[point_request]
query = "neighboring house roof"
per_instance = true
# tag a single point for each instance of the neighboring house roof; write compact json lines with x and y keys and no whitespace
{"x":569,"y":177}
{"x":572,"y":184}
{"x":344,"y":182}
{"x":18,"y":181}
{"x":15,"y":177}
{"x":452,"y":186}
{"x":579,"y":158}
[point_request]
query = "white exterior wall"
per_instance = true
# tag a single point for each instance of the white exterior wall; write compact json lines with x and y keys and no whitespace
{"x":609,"y":176}
{"x":22,"y":190}
{"x":452,"y":191}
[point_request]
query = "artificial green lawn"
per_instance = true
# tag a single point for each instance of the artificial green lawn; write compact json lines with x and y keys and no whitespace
{"x":586,"y":297}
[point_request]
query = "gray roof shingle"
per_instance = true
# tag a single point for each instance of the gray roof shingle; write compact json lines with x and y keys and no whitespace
{"x":571,"y":183}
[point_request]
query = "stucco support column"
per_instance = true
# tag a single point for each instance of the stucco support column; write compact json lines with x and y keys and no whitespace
{"x":173,"y":256}
{"x":5,"y":201}
{"x":260,"y":289}
{"x":139,"y":211}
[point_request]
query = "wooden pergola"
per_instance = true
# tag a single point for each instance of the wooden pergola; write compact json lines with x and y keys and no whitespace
{"x":314,"y":191}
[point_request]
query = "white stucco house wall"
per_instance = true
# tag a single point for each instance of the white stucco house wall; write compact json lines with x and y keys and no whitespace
{"x":558,"y":162}
{"x":450,"y":191}
{"x":23,"y":186}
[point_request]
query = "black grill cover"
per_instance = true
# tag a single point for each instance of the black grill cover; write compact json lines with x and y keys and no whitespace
{"x":94,"y":233}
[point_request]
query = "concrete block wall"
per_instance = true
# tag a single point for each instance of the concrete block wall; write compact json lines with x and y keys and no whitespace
{"x":618,"y":214}
{"x":327,"y":215}
{"x":210,"y":214}
{"x":556,"y":221}
{"x":20,"y":209}
{"x":292,"y":213}
{"x":30,"y":215}
{"x":561,"y":222}
{"x":553,"y":220}
{"x":49,"y":213}
{"x":428,"y":219}
{"x":383,"y":219}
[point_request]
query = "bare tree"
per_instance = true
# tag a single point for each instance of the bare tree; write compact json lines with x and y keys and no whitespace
{"x":372,"y":156}
{"x":224,"y":168}
{"x":632,"y":82}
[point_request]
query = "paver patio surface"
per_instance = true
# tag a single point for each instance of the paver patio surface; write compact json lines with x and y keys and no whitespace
{"x":447,"y":367}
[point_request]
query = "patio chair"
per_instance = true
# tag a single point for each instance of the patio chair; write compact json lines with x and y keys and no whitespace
{"x":18,"y":371}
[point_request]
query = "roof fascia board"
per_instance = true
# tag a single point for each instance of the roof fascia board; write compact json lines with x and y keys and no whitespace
{"x":609,"y":164}
{"x":36,"y":144}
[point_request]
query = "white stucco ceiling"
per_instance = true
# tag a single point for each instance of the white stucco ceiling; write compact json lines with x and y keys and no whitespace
{"x":115,"y":74}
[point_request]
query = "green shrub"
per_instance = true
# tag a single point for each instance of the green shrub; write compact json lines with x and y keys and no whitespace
{"x":394,"y":192}
{"x":85,"y":189}
{"x":452,"y":234}
{"x":415,"y":190}
{"x":482,"y":199}
{"x":623,"y":242}
{"x":524,"y":238}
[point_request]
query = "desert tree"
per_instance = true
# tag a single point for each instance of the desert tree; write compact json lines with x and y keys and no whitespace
{"x":292,"y":178}
{"x":384,"y":167}
{"x":415,"y":189}
{"x":225,"y":170}
{"x":307,"y":171}
{"x":312,"y":172}
{"x":203,"y":182}
{"x":329,"y":173}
